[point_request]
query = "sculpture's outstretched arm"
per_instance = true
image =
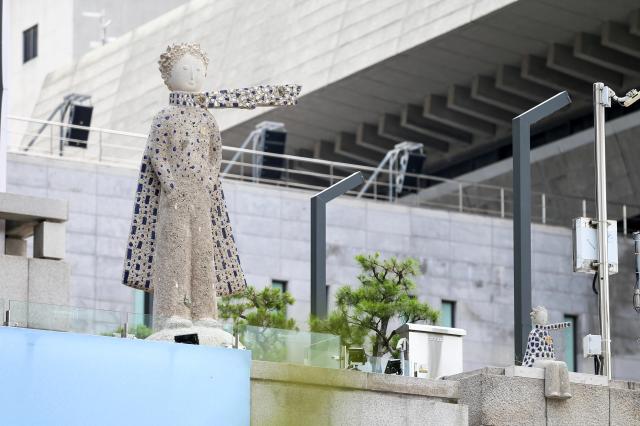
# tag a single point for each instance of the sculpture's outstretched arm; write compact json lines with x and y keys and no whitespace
{"x":556,"y":326}
{"x":158,"y":147}
{"x":251,"y":97}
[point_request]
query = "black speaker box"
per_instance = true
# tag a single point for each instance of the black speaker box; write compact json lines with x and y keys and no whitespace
{"x":274,"y":143}
{"x":79,"y":115}
{"x":414,"y":165}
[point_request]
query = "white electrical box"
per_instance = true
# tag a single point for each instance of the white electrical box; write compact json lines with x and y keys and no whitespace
{"x":591,"y":345}
{"x":585,"y":245}
{"x":433,"y":351}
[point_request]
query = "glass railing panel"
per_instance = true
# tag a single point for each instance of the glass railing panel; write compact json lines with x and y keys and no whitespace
{"x":139,"y":326}
{"x":289,"y":346}
{"x":44,"y":316}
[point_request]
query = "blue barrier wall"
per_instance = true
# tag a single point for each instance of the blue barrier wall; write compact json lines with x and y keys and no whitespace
{"x":51,"y":378}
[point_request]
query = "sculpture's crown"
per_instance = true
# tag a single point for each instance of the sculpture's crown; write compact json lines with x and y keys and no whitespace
{"x":175,"y":52}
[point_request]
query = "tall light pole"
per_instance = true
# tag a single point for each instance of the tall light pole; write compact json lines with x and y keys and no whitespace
{"x":602,"y":96}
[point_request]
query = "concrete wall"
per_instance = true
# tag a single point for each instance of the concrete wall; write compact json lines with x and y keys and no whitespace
{"x":498,"y":397}
{"x":284,"y":394}
{"x":464,"y":258}
{"x":38,"y":281}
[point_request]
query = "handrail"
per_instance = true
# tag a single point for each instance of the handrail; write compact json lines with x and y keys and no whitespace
{"x":448,"y":187}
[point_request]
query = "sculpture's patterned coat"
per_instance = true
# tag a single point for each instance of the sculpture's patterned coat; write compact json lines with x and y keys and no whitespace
{"x":181,"y":244}
{"x":540,"y":343}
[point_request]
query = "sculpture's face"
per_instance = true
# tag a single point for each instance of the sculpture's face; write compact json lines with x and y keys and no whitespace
{"x":188,"y":74}
{"x":539,"y":316}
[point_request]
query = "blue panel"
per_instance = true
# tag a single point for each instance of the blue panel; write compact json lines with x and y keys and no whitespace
{"x":51,"y":378}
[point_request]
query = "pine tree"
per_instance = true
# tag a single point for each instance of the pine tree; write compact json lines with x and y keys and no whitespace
{"x":257,"y":316}
{"x":385,"y":293}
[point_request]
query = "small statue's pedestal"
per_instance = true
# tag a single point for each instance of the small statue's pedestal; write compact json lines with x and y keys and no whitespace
{"x":208,"y":336}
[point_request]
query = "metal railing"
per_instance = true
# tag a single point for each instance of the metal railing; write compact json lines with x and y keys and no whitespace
{"x":124,"y":149}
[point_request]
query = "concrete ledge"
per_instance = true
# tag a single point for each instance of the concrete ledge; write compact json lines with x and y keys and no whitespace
{"x":286,"y":394}
{"x":538,"y":373}
{"x":24,"y":208}
{"x":515,"y":395}
{"x":350,"y":379}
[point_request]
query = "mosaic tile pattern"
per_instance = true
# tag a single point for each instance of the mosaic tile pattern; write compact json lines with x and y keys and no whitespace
{"x":248,"y":97}
{"x":181,"y":166}
{"x":540,"y":343}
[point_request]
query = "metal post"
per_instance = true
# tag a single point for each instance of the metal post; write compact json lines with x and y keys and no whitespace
{"x":522,"y":214}
{"x":600,"y":101}
{"x":624,"y":219}
{"x":319,"y":241}
{"x":584,"y":208}
{"x":460,"y":200}
{"x":51,"y":139}
{"x":636,"y":287}
{"x":544,"y":209}
{"x":391,"y":181}
{"x":100,"y":145}
{"x":502,"y":203}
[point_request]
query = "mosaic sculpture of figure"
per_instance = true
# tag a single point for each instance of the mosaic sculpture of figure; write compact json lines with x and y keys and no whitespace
{"x":181,"y":245}
{"x":540,"y":353}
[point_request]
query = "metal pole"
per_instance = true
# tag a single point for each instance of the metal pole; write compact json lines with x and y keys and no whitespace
{"x":502,"y":203}
{"x":600,"y":100}
{"x":318,"y":258}
{"x":522,"y":214}
{"x":521,"y":236}
{"x":584,"y":208}
{"x":100,"y":145}
{"x":51,"y":139}
{"x":624,"y":219}
{"x":636,"y":288}
{"x":319,"y":242}
{"x":460,"y":199}
{"x":544,"y":209}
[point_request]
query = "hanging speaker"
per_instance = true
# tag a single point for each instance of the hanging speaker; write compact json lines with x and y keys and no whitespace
{"x":414,"y":166}
{"x":274,"y":143}
{"x":79,"y":115}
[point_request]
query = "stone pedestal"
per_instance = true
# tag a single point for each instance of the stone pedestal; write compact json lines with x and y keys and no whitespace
{"x":208,"y":336}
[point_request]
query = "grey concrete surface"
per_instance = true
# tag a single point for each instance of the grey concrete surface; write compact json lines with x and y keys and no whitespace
{"x":49,"y":240}
{"x":49,"y":281}
{"x":41,"y":281}
{"x":624,"y":403}
{"x":496,"y":399}
{"x":284,"y":394}
{"x":14,"y":278}
{"x":21,"y":207}
{"x":15,"y":246}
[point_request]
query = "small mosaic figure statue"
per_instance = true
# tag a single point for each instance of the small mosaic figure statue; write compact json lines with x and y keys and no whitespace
{"x":181,"y":245}
{"x":540,"y":353}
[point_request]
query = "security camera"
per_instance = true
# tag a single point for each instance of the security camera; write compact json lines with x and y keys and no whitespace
{"x":628,"y":99}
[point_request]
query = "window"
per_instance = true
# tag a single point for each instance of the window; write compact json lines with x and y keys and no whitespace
{"x":570,"y":342}
{"x":448,"y":313}
{"x":282,"y":285}
{"x":29,"y":43}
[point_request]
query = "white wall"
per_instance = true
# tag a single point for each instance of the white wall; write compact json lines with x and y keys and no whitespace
{"x":55,"y":48}
{"x":64,"y":35}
